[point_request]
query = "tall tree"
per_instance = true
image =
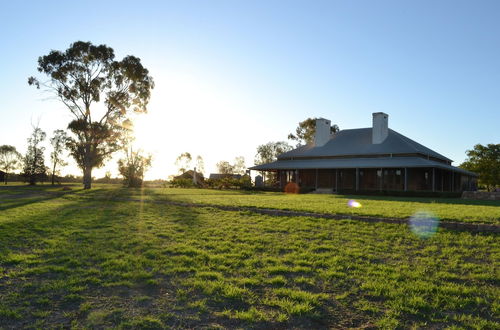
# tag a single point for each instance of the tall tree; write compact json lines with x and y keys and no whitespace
{"x":224,"y":167}
{"x":200,"y":164}
{"x":10,"y":160}
{"x":485,"y":161}
{"x":239,"y":166}
{"x":100,"y":92}
{"x":269,"y":152}
{"x":133,"y":166}
{"x":304,"y":133}
{"x":34,"y":168}
{"x":58,"y":142}
{"x":183,"y":162}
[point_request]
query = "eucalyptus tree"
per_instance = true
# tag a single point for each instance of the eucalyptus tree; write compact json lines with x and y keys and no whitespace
{"x":268,"y":153}
{"x":304,"y":133}
{"x":58,"y":142}
{"x":183,"y":162}
{"x":100,"y":92}
{"x":34,"y":168}
{"x":10,"y":160}
{"x":485,"y":161}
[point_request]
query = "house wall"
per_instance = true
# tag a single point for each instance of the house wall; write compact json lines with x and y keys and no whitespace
{"x":347,"y":179}
{"x":393,"y":179}
{"x":368,"y":179}
{"x":307,"y":178}
{"x":419,"y":179}
{"x":326,"y":178}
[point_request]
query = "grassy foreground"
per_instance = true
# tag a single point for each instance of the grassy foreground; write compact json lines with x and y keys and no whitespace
{"x":452,"y":209}
{"x":81,"y":259}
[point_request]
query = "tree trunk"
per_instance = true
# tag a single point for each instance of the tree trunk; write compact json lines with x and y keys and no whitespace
{"x":87,"y":177}
{"x":53,"y":174}
{"x":32,"y":180}
{"x":87,"y":168}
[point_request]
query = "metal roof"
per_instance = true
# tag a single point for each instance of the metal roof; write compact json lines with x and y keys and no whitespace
{"x":379,"y":162}
{"x":359,"y":142}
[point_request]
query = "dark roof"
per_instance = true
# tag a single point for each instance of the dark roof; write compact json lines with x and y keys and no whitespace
{"x":189,"y":175}
{"x":376,"y":162}
{"x":358,"y":141}
{"x":217,"y":176}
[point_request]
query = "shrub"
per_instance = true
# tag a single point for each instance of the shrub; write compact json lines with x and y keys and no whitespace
{"x":182,"y":183}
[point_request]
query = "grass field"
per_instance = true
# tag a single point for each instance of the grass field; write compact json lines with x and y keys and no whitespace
{"x":84,"y":259}
{"x":397,"y":207}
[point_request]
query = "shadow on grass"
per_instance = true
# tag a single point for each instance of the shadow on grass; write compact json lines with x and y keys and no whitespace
{"x":68,"y":247}
{"x":456,"y":201}
{"x":33,"y":196}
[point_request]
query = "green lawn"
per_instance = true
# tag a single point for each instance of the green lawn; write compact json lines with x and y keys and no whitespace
{"x":397,"y":207}
{"x":83,"y":259}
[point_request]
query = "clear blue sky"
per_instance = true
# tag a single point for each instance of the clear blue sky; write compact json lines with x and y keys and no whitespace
{"x":234,"y":74}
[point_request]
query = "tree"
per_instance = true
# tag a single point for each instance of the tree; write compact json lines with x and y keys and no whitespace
{"x":224,"y":167}
{"x":485,"y":161}
{"x":58,"y":142}
{"x":10,"y":160}
{"x":304,"y":133}
{"x":34,"y":163}
{"x":200,"y":164}
{"x":134,"y":165}
{"x":239,"y":166}
{"x":183,"y":162}
{"x":82,"y":77}
{"x":269,"y":152}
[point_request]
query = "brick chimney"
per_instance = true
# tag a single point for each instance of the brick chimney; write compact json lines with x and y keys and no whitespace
{"x":380,"y":128}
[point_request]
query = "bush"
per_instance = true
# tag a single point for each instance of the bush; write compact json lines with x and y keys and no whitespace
{"x":182,"y":183}
{"x":230,"y":183}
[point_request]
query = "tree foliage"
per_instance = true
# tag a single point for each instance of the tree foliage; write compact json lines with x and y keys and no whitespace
{"x":10,"y":160}
{"x":224,"y":167}
{"x":85,"y":76}
{"x":269,"y":152}
{"x":485,"y":161}
{"x":200,"y":165}
{"x":183,"y":162}
{"x":304,"y":133}
{"x":133,"y":167}
{"x":239,"y":166}
{"x":58,"y":141}
{"x":34,"y":168}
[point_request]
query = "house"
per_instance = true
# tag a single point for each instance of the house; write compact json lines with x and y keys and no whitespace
{"x":196,"y":177}
{"x":364,"y":159}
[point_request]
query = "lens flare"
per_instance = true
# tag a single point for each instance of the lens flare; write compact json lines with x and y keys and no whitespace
{"x":424,"y":224}
{"x":353,"y":203}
